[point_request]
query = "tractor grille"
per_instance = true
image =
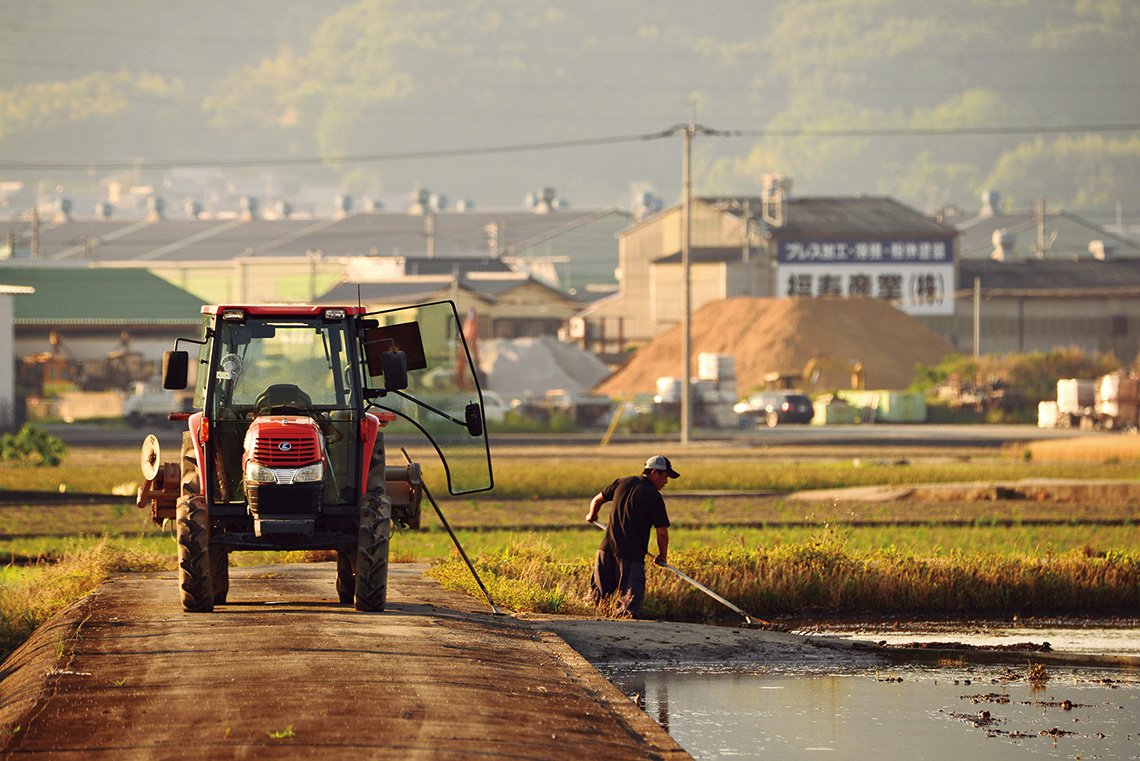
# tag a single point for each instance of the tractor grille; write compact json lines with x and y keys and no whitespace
{"x":286,"y":451}
{"x":273,"y":499}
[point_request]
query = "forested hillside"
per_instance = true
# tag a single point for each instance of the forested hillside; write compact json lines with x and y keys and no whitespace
{"x":357,"y":84}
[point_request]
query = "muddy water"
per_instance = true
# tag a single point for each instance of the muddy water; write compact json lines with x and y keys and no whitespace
{"x":907,"y":713}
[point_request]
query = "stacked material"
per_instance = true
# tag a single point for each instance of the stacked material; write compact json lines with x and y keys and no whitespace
{"x":1117,"y":399}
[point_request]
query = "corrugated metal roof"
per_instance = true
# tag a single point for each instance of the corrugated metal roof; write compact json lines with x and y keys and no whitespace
{"x":841,"y":217}
{"x":399,"y":291}
{"x":384,"y":233}
{"x":1073,"y":235}
{"x":487,"y":286}
{"x":97,"y":296}
{"x":1051,"y":275}
{"x":705,"y":255}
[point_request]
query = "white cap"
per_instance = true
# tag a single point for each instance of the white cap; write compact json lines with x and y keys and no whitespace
{"x":657,"y":462}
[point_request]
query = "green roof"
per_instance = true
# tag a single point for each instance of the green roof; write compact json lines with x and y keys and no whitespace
{"x":99,"y":296}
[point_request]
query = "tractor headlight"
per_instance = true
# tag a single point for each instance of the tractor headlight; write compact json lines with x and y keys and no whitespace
{"x":310,"y":473}
{"x":259,"y":474}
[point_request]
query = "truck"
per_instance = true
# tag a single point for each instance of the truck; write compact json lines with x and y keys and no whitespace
{"x":284,"y":447}
{"x":148,"y":403}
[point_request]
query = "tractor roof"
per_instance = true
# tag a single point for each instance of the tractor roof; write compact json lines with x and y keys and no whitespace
{"x":281,"y":310}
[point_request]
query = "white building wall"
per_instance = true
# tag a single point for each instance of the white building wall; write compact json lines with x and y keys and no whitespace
{"x":7,"y":363}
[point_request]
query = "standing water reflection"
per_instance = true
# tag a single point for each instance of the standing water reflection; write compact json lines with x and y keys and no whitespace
{"x":984,"y":713}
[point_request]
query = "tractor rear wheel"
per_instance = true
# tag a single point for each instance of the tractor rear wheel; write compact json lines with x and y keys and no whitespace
{"x":193,"y":533}
{"x":345,"y":576}
{"x":220,"y":574}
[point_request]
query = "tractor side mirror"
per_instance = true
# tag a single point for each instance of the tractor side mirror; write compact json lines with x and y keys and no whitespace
{"x":175,"y":368}
{"x":395,"y":364}
{"x":474,"y":419}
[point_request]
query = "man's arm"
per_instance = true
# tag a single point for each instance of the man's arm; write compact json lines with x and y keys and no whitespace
{"x":595,"y":505}
{"x":662,"y":546}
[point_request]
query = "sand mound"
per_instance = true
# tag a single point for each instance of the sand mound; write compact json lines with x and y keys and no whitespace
{"x":522,"y":367}
{"x":782,"y":335}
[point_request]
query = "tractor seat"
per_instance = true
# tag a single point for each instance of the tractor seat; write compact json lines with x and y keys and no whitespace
{"x":283,"y":398}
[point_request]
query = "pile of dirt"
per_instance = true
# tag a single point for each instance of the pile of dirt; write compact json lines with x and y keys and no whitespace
{"x":783,"y":335}
{"x":529,"y":367}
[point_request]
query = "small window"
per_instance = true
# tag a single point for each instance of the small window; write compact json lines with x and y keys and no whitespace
{"x":1119,"y":325}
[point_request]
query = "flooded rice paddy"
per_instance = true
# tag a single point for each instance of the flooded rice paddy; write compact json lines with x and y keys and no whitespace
{"x":952,"y":710}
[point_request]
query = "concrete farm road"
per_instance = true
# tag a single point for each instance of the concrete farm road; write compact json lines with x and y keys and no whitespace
{"x":285,"y":672}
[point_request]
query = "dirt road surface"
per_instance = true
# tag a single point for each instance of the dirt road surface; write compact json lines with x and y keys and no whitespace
{"x":284,"y":672}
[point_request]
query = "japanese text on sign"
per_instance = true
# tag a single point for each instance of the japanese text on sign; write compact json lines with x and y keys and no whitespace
{"x":933,"y":251}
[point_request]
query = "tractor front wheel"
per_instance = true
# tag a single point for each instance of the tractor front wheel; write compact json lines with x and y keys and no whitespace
{"x":372,"y":553}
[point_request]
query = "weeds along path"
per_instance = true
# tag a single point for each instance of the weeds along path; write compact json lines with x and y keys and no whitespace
{"x":285,"y":672}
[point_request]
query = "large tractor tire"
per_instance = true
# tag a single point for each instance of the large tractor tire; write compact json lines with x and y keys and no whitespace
{"x":371,"y":591}
{"x":193,"y":533}
{"x":345,"y":576}
{"x":372,"y":553}
{"x":220,"y":574}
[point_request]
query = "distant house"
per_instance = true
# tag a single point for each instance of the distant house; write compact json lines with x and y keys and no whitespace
{"x":506,"y":305}
{"x":76,"y":316}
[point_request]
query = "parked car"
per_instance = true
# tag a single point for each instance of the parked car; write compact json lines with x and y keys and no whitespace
{"x":774,"y":408}
{"x":495,"y":408}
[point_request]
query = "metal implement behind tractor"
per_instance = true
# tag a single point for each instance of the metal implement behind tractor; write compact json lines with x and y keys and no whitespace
{"x":285,"y":448}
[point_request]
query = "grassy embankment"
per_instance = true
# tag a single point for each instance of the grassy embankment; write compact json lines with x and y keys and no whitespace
{"x":769,"y":553}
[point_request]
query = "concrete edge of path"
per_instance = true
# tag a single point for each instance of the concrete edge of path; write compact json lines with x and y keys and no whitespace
{"x":26,"y":674}
{"x":636,"y":722}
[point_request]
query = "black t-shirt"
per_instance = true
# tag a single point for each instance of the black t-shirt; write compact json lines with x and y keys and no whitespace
{"x":638,"y":506}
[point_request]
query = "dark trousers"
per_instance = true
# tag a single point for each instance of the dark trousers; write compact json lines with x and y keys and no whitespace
{"x":625,"y":578}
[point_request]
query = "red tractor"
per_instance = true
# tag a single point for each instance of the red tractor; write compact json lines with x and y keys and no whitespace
{"x":285,"y":450}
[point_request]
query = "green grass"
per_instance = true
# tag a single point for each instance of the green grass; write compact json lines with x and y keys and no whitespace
{"x":32,"y":595}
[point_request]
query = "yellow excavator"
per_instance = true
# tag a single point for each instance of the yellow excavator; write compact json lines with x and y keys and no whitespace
{"x":818,"y":367}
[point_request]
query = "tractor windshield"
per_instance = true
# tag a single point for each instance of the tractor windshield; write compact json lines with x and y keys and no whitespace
{"x":284,"y":365}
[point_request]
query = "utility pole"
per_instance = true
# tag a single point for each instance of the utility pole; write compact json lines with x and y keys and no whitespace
{"x":686,"y":328}
{"x":429,"y":231}
{"x":977,"y":317}
{"x":35,"y":232}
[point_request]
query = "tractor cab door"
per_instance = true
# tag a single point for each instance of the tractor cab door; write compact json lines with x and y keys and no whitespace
{"x":415,"y":362}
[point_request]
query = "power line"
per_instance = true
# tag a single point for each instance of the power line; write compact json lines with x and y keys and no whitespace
{"x":357,"y":159}
{"x":937,"y":131}
{"x":563,"y":144}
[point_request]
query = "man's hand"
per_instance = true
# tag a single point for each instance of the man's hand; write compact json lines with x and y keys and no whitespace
{"x":660,"y":560}
{"x":595,"y":507}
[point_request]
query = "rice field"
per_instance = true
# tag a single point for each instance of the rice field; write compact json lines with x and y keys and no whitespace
{"x":757,"y":546}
